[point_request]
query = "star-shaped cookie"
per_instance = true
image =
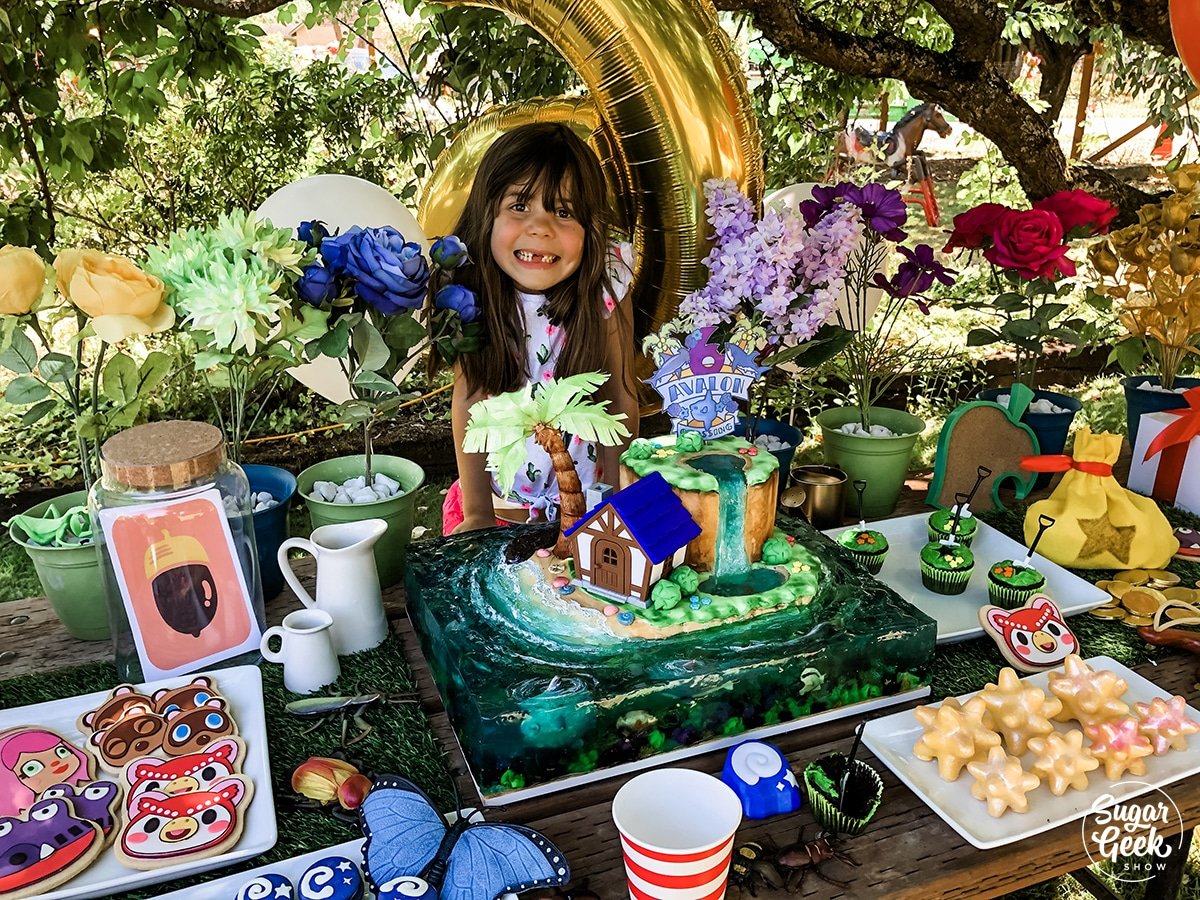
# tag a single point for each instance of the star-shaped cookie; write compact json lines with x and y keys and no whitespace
{"x":1001,"y":782}
{"x":1166,"y":723}
{"x":1061,"y":761}
{"x":955,"y":735}
{"x":1018,"y":711}
{"x":1120,"y":746}
{"x":1087,"y":696}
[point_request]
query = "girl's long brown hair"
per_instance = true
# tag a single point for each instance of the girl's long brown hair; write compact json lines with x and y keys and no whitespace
{"x":548,"y":157}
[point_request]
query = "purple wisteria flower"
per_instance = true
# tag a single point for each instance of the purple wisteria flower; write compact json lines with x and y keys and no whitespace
{"x":915,"y":275}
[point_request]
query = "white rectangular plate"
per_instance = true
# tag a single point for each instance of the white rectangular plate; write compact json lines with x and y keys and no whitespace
{"x":292,"y":869}
{"x":958,"y":616}
{"x":242,"y":687}
{"x":892,"y":738}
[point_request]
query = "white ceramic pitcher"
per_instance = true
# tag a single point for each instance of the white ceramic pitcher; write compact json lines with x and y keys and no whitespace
{"x":347,"y":581}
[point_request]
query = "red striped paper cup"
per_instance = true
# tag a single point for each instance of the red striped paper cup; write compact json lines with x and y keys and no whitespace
{"x":676,"y":828}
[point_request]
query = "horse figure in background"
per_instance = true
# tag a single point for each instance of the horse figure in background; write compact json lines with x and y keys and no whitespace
{"x":894,"y":148}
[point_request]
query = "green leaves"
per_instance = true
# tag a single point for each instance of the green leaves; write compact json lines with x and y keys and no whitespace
{"x":25,"y":389}
{"x":120,"y":379}
{"x":19,"y":356}
{"x":57,"y":368}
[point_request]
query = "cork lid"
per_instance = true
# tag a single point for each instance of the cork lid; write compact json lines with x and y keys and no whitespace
{"x":170,"y":454}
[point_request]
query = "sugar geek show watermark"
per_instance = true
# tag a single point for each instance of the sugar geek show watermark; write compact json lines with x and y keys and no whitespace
{"x":1131,"y":834}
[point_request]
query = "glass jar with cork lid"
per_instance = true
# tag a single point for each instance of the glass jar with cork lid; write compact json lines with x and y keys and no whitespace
{"x":172,"y":518}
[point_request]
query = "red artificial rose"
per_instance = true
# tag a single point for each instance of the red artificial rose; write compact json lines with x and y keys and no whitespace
{"x":1079,"y":209}
{"x":1030,"y":242}
{"x":973,"y":227}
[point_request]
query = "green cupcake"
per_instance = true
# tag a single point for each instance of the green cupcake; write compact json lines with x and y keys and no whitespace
{"x":939,"y":526}
{"x":946,"y":568}
{"x":1010,"y":584}
{"x":869,"y":547}
{"x":822,"y":787}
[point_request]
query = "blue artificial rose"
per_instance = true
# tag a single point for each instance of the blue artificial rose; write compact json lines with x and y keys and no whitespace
{"x":459,"y":299}
{"x":389,"y":273}
{"x":335,"y":249}
{"x":317,"y":284}
{"x":312,"y":233}
{"x":449,"y":252}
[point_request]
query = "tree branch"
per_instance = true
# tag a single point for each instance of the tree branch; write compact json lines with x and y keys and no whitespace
{"x":14,"y":102}
{"x":977,"y":26}
{"x":1146,"y":20}
{"x":237,"y":9}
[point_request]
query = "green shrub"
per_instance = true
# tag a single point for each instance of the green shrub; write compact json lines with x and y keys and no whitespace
{"x":686,"y":578}
{"x":665,"y":595}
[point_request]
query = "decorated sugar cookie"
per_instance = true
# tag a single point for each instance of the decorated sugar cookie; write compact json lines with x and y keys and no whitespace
{"x":49,"y":847}
{"x":331,"y":878}
{"x":184,"y":774}
{"x":1088,"y":696}
{"x":200,"y":824}
{"x":192,"y":695}
{"x":1062,"y":762}
{"x":192,"y":730}
{"x":1120,"y":746}
{"x":122,"y":702}
{"x":1033,"y":637}
{"x":955,"y":736}
{"x":98,"y":802}
{"x":271,"y":886}
{"x":128,"y":739}
{"x":33,"y":759}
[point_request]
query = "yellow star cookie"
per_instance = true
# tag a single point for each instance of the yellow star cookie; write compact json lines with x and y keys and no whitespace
{"x":1166,"y":723}
{"x":1061,"y":761}
{"x":955,"y":735}
{"x":1001,"y":782}
{"x":1088,"y":696}
{"x":1018,"y":711}
{"x":1120,"y":746}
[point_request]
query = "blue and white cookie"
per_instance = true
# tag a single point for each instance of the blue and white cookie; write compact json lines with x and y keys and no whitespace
{"x":331,"y":878}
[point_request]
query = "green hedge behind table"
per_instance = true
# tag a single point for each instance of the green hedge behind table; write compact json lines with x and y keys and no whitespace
{"x":403,"y":743}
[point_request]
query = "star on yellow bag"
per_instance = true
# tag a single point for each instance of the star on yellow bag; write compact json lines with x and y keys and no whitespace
{"x":1097,"y":523}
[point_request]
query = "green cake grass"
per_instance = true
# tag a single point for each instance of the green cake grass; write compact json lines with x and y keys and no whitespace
{"x":646,"y":455}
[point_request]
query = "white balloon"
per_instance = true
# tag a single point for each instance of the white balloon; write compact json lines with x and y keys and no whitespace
{"x":339,"y":201}
{"x":755,"y":760}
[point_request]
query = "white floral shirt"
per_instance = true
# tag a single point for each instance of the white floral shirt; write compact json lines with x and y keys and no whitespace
{"x":536,"y":487}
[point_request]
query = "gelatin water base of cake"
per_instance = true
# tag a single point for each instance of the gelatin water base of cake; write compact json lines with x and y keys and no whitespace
{"x":543,"y":693}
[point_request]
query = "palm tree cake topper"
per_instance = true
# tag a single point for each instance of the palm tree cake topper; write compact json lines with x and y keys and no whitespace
{"x":500,"y":425}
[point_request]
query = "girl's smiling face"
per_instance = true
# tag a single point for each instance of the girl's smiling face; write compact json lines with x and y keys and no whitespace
{"x":38,"y":771}
{"x":536,"y":247}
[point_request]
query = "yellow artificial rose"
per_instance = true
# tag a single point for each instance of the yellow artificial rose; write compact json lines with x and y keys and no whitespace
{"x":119,"y":297}
{"x":22,"y":280}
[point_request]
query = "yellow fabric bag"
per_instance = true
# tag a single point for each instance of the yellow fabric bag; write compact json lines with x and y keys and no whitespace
{"x":1097,"y":523}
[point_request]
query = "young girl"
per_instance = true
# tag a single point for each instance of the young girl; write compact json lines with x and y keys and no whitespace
{"x":548,"y":285}
{"x":32,"y":760}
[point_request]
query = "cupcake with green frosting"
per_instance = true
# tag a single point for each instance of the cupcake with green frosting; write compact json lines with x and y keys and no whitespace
{"x":1010,"y":583}
{"x":869,"y":547}
{"x":835,"y":813}
{"x":946,"y":567}
{"x":941,"y":523}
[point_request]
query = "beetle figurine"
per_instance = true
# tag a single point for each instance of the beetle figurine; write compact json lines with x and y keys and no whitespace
{"x":751,"y":868}
{"x":804,"y":856}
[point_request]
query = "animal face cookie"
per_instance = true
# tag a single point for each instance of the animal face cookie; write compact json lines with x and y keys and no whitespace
{"x":128,"y":739}
{"x":46,"y":849}
{"x":33,"y":759}
{"x":191,"y":696}
{"x":184,"y":774}
{"x":1089,"y":697}
{"x":199,"y":824}
{"x":1018,"y":711}
{"x":97,"y":802}
{"x":1034,"y":637}
{"x":123,"y":702}
{"x":191,"y":731}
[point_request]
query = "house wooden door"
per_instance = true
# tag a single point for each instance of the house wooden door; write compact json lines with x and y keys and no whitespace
{"x":611,"y":566}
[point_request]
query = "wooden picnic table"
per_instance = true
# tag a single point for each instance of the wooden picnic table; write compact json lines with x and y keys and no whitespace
{"x":907,"y":851}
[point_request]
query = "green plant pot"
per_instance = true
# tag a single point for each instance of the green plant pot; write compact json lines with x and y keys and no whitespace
{"x":70,"y":576}
{"x":881,"y":461}
{"x":390,"y":551}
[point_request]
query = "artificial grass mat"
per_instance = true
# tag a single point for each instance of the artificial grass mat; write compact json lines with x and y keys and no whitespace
{"x":402,"y":741}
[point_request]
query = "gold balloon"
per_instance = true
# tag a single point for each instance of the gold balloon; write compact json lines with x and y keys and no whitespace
{"x":675,"y":110}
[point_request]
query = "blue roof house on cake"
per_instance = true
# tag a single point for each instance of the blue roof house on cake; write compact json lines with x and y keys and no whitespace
{"x":631,"y":540}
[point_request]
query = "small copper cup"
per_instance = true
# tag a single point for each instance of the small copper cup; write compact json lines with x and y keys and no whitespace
{"x":824,"y":487}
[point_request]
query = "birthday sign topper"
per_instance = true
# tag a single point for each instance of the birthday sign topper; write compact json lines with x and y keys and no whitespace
{"x":701,"y":384}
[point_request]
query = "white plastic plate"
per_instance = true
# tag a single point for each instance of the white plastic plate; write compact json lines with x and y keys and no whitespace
{"x":241,"y":686}
{"x":958,"y":616}
{"x":892,"y":738}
